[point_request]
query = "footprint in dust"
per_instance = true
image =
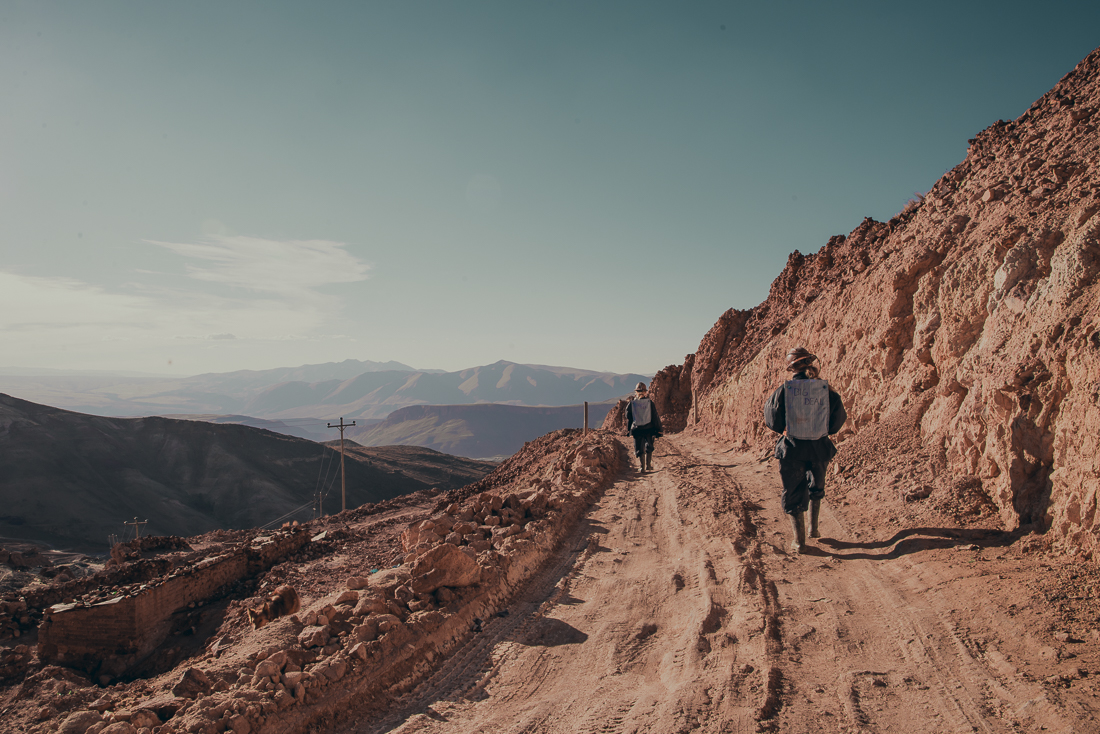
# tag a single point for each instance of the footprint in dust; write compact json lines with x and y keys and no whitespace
{"x":678,"y":581}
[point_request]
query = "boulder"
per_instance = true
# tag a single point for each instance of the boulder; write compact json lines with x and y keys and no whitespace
{"x":332,"y":669}
{"x":495,"y":502}
{"x":355,"y":583}
{"x":144,"y":718}
{"x":348,"y":597}
{"x":367,"y":631}
{"x":192,"y":684}
{"x":444,"y":565}
{"x":385,"y":622}
{"x":239,"y":725}
{"x":78,"y":722}
{"x":314,"y":637}
{"x":388,"y":580}
{"x":120,"y":727}
{"x":370,"y":604}
{"x":444,"y":522}
{"x":268,"y":669}
{"x":464,"y":528}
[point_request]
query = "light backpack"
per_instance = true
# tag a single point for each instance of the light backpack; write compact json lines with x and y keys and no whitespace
{"x":642,"y":409}
{"x":807,"y":407}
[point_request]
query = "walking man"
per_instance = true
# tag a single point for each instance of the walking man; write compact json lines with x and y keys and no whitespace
{"x":643,"y":423}
{"x":808,"y":411}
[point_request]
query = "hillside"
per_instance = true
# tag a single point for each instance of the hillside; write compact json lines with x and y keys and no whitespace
{"x":71,"y":480}
{"x":483,"y":430}
{"x":963,"y":334}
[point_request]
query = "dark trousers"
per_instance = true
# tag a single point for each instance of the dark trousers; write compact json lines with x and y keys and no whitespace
{"x":643,"y":440}
{"x":802,"y":481}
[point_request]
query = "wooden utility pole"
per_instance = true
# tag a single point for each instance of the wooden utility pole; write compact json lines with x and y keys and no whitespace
{"x":137,"y":526}
{"x":343,"y":481}
{"x":586,"y":416}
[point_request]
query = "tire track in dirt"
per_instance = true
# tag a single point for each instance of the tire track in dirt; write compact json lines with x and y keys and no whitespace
{"x":675,"y":607}
{"x":639,"y":624}
{"x":870,"y":644}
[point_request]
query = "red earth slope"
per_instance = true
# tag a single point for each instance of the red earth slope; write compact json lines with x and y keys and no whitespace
{"x":964,"y":334}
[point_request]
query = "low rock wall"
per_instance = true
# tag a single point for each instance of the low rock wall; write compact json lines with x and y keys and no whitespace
{"x":107,"y":637}
{"x":352,"y":652}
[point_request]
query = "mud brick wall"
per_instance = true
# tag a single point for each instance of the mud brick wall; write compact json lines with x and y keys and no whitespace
{"x":109,"y":637}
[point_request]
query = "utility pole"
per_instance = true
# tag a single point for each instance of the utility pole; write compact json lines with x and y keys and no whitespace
{"x":343,"y":481}
{"x":586,"y":416}
{"x":137,"y":526}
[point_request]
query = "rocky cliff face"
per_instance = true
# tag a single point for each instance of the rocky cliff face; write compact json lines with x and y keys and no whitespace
{"x":968,"y":325}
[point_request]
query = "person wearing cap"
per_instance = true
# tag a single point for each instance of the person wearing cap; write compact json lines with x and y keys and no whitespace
{"x":806,"y":411}
{"x":643,"y":423}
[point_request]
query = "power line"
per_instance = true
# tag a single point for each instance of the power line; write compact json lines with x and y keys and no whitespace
{"x":276,"y":521}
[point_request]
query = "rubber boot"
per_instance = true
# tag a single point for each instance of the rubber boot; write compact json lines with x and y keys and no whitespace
{"x":798,"y":525}
{"x":815,"y":510}
{"x":649,"y":460}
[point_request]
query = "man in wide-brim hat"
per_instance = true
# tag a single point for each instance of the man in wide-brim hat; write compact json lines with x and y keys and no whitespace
{"x":807,"y":411}
{"x":643,"y":423}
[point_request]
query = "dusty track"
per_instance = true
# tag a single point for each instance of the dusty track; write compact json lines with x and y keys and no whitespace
{"x":676,"y":607}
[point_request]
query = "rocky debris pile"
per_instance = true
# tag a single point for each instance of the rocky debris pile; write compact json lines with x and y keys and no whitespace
{"x":15,"y":618}
{"x":14,"y":661}
{"x":380,"y":634}
{"x":20,"y":561}
{"x":974,"y":313}
{"x":135,"y":549}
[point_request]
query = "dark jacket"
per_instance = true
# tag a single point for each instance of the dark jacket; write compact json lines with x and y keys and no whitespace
{"x":793,"y":449}
{"x":652,"y":428}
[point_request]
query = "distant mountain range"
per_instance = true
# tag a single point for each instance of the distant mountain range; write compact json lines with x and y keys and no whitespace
{"x":69,"y":479}
{"x":349,"y":389}
{"x":377,"y":394}
{"x":484,"y":430}
{"x":214,"y":393}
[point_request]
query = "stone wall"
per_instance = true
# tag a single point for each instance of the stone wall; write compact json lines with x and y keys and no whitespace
{"x":108,"y":637}
{"x":379,"y":636}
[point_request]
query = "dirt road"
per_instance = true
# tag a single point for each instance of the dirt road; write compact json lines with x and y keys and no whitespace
{"x":677,"y":607}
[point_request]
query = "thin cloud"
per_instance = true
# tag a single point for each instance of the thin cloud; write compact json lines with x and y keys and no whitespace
{"x":273,"y":297}
{"x":34,"y":302}
{"x":288,"y":268}
{"x":57,"y":308}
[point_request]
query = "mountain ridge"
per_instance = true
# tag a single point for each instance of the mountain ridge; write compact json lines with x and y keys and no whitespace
{"x":334,"y":393}
{"x":71,"y":479}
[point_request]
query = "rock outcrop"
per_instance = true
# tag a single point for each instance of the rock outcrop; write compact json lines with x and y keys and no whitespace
{"x":972,"y":317}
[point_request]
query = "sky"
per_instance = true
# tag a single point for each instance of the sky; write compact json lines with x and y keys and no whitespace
{"x":212,"y":186}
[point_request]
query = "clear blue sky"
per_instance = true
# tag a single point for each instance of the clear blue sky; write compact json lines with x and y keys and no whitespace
{"x":206,"y":186}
